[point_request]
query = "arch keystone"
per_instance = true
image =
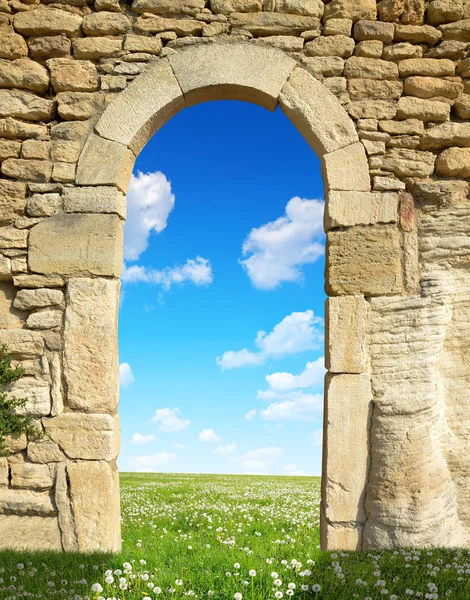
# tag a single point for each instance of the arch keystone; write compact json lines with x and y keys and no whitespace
{"x":227,"y":71}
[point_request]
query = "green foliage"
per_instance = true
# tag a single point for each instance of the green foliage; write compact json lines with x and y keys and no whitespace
{"x":10,"y":422}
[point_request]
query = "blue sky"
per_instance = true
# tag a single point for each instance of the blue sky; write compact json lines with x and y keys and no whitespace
{"x":222,"y":299}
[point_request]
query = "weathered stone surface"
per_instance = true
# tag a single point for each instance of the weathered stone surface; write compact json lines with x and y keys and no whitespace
{"x":94,"y":48}
{"x":430,"y":87}
{"x":364,"y":260}
{"x":65,"y":151}
{"x":45,"y":319}
{"x":3,"y":471}
{"x":373,"y":30}
{"x":68,"y":75}
{"x":165,"y":7}
{"x":13,"y":238}
{"x":37,"y":281}
{"x":459,"y":31}
{"x":13,"y":46}
{"x":403,"y":11}
{"x":430,"y":195}
{"x":288,"y":43}
{"x":86,"y":436}
{"x":24,"y":105}
{"x":409,"y":163}
{"x":454,"y":162}
{"x":446,"y":135}
{"x":38,"y":298}
{"x":266,"y":23}
{"x":12,"y":200}
{"x":369,"y":49}
{"x":346,"y":317}
{"x":406,"y":127}
{"x":65,"y":517}
{"x":73,"y":244}
{"x":417,"y":35}
{"x":347,"y":169}
{"x":44,"y":205}
{"x":47,"y":21}
{"x":463,"y":68}
{"x":226,"y":7}
{"x":424,"y":110}
{"x":339,"y":537}
{"x":16,"y":442}
{"x":462,"y":107}
{"x":95,"y":200}
{"x":430,"y":67}
{"x":334,"y":45}
{"x":26,"y":502}
{"x":105,"y":23}
{"x":44,"y":452}
{"x":79,"y":105}
{"x":356,"y":10}
{"x":29,"y":532}
{"x":338,"y":27}
{"x":14,"y":129}
{"x":344,"y":209}
{"x":56,"y":389}
{"x":449,"y":49}
{"x":401,"y":51}
{"x":143,"y":43}
{"x":35,"y":149}
{"x":22,"y":343}
{"x":370,"y":68}
{"x":36,"y":392}
{"x":10,"y":318}
{"x":444,"y":11}
{"x":149,"y":23}
{"x":52,"y":46}
{"x":97,"y":523}
{"x":27,"y":170}
{"x":310,"y":106}
{"x":90,"y":360}
{"x":324,"y":66}
{"x":374,"y":89}
{"x":375,"y":109}
{"x":29,"y":475}
{"x":23,"y":73}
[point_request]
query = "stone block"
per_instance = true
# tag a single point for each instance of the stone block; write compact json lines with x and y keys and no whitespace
{"x":364,"y":260}
{"x":462,"y":107}
{"x":44,"y":452}
{"x":13,"y":238}
{"x":338,"y":27}
{"x":30,"y":475}
{"x":446,"y":135}
{"x":406,"y":127}
{"x":47,"y":21}
{"x":226,"y":7}
{"x":13,"y":46}
{"x":85,"y":436}
{"x":16,"y":442}
{"x":37,"y":281}
{"x":332,"y":45}
{"x":424,"y":34}
{"x":24,"y":105}
{"x":142,"y":43}
{"x":9,"y":149}
{"x":454,"y":162}
{"x":70,"y":75}
{"x":102,"y":199}
{"x":338,"y":536}
{"x":369,"y":49}
{"x":438,"y":194}
{"x":403,"y":11}
{"x":288,"y":43}
{"x":444,"y":11}
{"x":409,"y":163}
{"x":373,"y":30}
{"x":12,"y":200}
{"x":44,"y":205}
{"x":94,"y":497}
{"x":424,"y":110}
{"x":149,"y":23}
{"x":450,"y":49}
{"x":4,"y":479}
{"x":323,"y":66}
{"x":270,"y":23}
{"x":14,"y":129}
{"x":29,"y":532}
{"x":402,"y":51}
{"x":37,"y":393}
{"x":346,"y":169}
{"x":45,"y":319}
{"x":346,"y":317}
{"x":63,"y":503}
{"x":26,"y":502}
{"x":94,"y":48}
{"x":63,"y":172}
{"x":370,"y":68}
{"x":38,"y":298}
{"x":22,"y":344}
{"x":316,"y":113}
{"x":35,"y":149}
{"x":53,"y":46}
{"x":374,"y":89}
{"x":345,"y":209}
{"x":73,"y":244}
{"x":459,"y":31}
{"x":356,"y":10}
{"x":27,"y":170}
{"x":91,"y":367}
{"x":105,"y":23}
{"x":430,"y":87}
{"x":165,"y":7}
{"x":428,"y":67}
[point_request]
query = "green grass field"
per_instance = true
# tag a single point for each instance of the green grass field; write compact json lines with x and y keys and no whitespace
{"x":230,"y":537}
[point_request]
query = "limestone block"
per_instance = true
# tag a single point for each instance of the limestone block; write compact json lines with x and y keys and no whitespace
{"x":288,"y":43}
{"x":373,"y":30}
{"x":429,"y":87}
{"x":94,"y":48}
{"x":37,"y":393}
{"x":424,"y":110}
{"x":24,"y":105}
{"x":45,"y":319}
{"x":69,"y":75}
{"x":459,"y":31}
{"x":149,"y":23}
{"x":429,"y":67}
{"x":424,"y":34}
{"x":73,"y":244}
{"x":9,"y":149}
{"x":12,"y":200}
{"x":47,"y":21}
{"x":232,"y":72}
{"x":35,"y":149}
{"x":406,"y":127}
{"x":143,"y":108}
{"x":388,"y":184}
{"x":370,"y":68}
{"x":16,"y":442}
{"x":313,"y":8}
{"x":51,"y":46}
{"x":95,"y":200}
{"x":13,"y":129}
{"x":13,"y":46}
{"x":29,"y":532}
{"x":44,"y":452}
{"x":56,"y":390}
{"x":13,"y":238}
{"x":463,"y":69}
{"x":316,"y":113}
{"x":142,"y":43}
{"x":401,"y":51}
{"x":446,"y":135}
{"x":356,"y":10}
{"x":94,"y":496}
{"x":462,"y":107}
{"x":9,"y":316}
{"x":374,"y":89}
{"x":44,"y":205}
{"x":90,"y":359}
{"x":347,"y":416}
{"x":404,"y":11}
{"x":22,"y":343}
{"x":30,"y":475}
{"x":345,"y":209}
{"x":37,"y":281}
{"x":165,"y":7}
{"x":65,"y":151}
{"x":86,"y":436}
{"x":364,"y":260}
{"x":63,"y":172}
{"x":444,"y":194}
{"x":5,"y":273}
{"x":226,"y":7}
{"x":3,"y":471}
{"x":454,"y":162}
{"x":338,"y":27}
{"x":25,"y":502}
{"x":333,"y":45}
{"x":346,"y":169}
{"x":266,"y":23}
{"x":338,"y":536}
{"x":105,"y":23}
{"x":444,"y":11}
{"x":66,"y":520}
{"x":449,"y":49}
{"x":369,"y":49}
{"x":38,"y":298}
{"x":409,"y":163}
{"x":27,"y":170}
{"x":23,"y":73}
{"x":346,"y":334}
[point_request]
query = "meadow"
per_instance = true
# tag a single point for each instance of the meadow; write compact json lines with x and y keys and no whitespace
{"x":240,"y":537}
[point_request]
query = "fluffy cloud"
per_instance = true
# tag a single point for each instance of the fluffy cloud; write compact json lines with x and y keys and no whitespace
{"x":297,"y":332}
{"x":296,"y":407}
{"x":138,"y":438}
{"x":228,"y":449}
{"x":168,"y":419}
{"x":312,"y":376}
{"x":149,"y":203}
{"x":278,"y":250}
{"x":208,"y":435}
{"x":197,"y":271}
{"x":151,"y":461}
{"x":126,"y":378}
{"x":250,"y":414}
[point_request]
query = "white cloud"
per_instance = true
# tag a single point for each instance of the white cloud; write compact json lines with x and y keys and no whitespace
{"x":278,"y":250}
{"x":297,"y":407}
{"x":138,"y":438}
{"x":151,"y":460}
{"x":250,"y":414}
{"x":208,"y":435}
{"x":197,"y":271}
{"x":149,"y":203}
{"x":168,"y":419}
{"x":312,"y":376}
{"x":296,"y":333}
{"x":180,"y":446}
{"x":126,"y":378}
{"x":229,"y":448}
{"x":256,"y":464}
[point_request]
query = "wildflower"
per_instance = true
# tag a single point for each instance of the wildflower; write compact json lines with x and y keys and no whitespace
{"x":316,"y":587}
{"x":252,"y":573}
{"x":236,"y":565}
{"x":109,"y":579}
{"x":96,"y":588}
{"x":238,"y":596}
{"x":278,"y":594}
{"x":157,"y":590}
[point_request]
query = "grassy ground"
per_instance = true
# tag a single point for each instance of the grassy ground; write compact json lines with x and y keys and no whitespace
{"x":219,"y":536}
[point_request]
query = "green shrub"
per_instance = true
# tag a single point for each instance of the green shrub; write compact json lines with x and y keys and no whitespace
{"x":11,"y":423}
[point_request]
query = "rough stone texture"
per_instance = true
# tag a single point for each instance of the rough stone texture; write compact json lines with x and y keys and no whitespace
{"x":94,"y":200}
{"x":38,"y":298}
{"x":28,"y":475}
{"x":454,"y":162}
{"x":44,"y":452}
{"x":69,"y":75}
{"x":47,"y":21}
{"x":23,"y":73}
{"x":37,"y":394}
{"x":344,"y":209}
{"x":24,"y":105}
{"x":346,"y":169}
{"x":346,"y":318}
{"x":260,"y":24}
{"x":29,"y":532}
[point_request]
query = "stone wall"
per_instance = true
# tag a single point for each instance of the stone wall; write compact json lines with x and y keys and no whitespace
{"x":381,"y":91}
